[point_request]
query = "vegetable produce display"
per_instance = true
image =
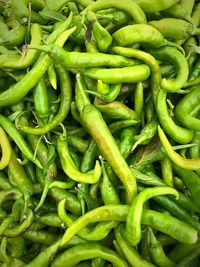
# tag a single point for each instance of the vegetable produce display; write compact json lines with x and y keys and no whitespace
{"x":99,"y":133}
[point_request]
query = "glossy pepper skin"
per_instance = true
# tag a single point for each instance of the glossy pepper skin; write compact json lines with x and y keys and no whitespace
{"x":92,"y":120}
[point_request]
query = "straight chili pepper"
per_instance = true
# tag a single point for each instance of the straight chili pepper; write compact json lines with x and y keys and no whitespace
{"x":93,"y":119}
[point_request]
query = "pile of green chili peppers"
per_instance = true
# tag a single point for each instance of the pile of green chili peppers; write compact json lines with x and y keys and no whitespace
{"x":99,"y":133}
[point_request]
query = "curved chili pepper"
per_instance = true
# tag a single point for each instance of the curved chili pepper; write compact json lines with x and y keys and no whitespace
{"x":15,"y":36}
{"x":66,"y":96}
{"x":176,"y":58}
{"x":21,"y":228}
{"x":147,"y":59}
{"x":162,"y":222}
{"x":141,"y":33}
{"x":176,"y":132}
{"x":70,"y":168}
{"x":98,"y":232}
{"x":19,"y":62}
{"x":185,"y":106}
{"x":74,"y":255}
{"x":128,"y":6}
{"x":190,"y":164}
{"x":133,"y":228}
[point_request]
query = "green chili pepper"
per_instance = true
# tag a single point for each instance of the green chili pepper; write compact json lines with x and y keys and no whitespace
{"x":176,"y":132}
{"x":127,"y":140}
{"x":52,"y":76}
{"x":101,"y":35}
{"x":66,"y":96}
{"x":17,"y":246}
{"x":194,"y":72}
{"x":140,"y":33}
{"x":185,"y":106}
{"x":191,"y":180}
{"x":108,"y":192}
{"x":128,"y":6}
{"x":190,"y":54}
{"x":133,"y":228}
{"x":190,"y":164}
{"x":50,"y":219}
{"x":89,"y":157}
{"x":70,"y":168}
{"x":89,"y":59}
{"x":182,"y":31}
{"x":131,"y":74}
{"x":20,"y":62}
{"x":88,"y":251}
{"x":115,"y":126}
{"x":21,"y":228}
{"x":20,"y":10}
{"x":167,"y":173}
{"x":147,"y":59}
{"x":15,"y":36}
{"x":5,"y":149}
{"x":20,"y":179}
{"x":98,"y":232}
{"x":129,"y":252}
{"x":78,"y":143}
{"x":195,"y":15}
{"x":157,"y":253}
{"x":172,"y":55}
{"x":162,"y":222}
{"x":92,"y":119}
{"x":40,"y":236}
{"x":165,"y":240}
{"x":41,"y":102}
